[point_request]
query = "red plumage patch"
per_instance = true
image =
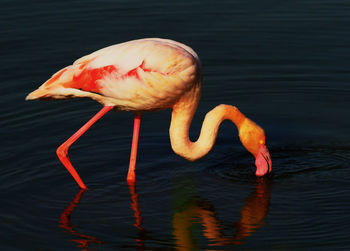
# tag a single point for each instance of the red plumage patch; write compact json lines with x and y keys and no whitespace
{"x":134,"y":73}
{"x":87,"y":80}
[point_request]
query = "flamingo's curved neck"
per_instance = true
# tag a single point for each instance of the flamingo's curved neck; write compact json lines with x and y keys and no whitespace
{"x":181,"y":119}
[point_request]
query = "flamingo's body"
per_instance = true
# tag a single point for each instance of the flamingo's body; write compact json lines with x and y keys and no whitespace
{"x":148,"y":75}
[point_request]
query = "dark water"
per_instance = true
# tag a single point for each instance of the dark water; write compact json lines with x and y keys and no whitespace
{"x":285,"y":64}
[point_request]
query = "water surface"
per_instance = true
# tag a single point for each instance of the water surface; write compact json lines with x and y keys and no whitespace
{"x":284,"y":64}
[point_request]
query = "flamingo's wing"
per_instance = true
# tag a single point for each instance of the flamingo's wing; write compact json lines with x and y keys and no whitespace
{"x":138,"y":75}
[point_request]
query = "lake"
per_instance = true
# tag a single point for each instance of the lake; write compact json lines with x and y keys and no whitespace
{"x":284,"y":64}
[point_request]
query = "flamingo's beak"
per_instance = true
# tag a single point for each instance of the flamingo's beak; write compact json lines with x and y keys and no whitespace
{"x":263,"y":161}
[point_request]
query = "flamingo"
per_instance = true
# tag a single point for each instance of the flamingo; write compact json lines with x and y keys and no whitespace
{"x":148,"y":75}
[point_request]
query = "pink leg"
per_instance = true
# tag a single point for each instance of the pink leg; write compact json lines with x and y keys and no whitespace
{"x":62,"y":150}
{"x":135,"y":139}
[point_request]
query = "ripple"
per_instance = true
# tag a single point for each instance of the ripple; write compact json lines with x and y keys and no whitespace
{"x":306,"y":161}
{"x":288,"y":162}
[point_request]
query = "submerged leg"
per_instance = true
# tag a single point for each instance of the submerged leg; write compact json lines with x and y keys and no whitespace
{"x":62,"y":150}
{"x":133,"y":154}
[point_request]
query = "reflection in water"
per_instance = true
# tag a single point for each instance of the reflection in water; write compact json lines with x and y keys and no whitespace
{"x":138,"y":218}
{"x":184,"y":220}
{"x":199,"y":211}
{"x":135,"y":206}
{"x":83,"y":240}
{"x":254,"y":211}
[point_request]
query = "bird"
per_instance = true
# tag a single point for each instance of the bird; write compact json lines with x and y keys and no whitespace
{"x":146,"y":75}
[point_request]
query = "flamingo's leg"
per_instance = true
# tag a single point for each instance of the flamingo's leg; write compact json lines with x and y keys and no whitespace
{"x":62,"y":150}
{"x":133,"y":154}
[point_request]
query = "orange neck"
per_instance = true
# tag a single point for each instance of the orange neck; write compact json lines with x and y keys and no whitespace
{"x":182,"y":115}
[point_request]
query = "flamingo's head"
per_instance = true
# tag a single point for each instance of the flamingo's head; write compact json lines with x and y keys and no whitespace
{"x":253,"y":139}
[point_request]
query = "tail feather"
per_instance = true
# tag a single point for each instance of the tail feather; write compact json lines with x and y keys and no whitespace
{"x":36,"y":94}
{"x":49,"y":89}
{"x":76,"y":76}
